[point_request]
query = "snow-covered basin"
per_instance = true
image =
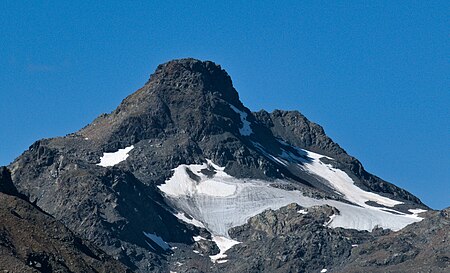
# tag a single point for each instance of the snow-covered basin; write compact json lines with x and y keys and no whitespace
{"x":221,"y":201}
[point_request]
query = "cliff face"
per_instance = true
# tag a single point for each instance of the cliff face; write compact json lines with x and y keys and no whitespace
{"x":33,"y":241}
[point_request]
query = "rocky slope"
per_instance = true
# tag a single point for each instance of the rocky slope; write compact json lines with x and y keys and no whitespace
{"x":300,"y":237}
{"x":297,"y":130}
{"x":419,"y":247}
{"x":183,"y":158}
{"x":33,"y":241}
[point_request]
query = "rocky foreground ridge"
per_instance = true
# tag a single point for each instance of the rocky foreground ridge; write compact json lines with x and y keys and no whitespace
{"x":33,"y":241}
{"x":182,"y":177}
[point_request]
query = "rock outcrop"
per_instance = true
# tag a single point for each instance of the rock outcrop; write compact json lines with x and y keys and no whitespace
{"x":33,"y":241}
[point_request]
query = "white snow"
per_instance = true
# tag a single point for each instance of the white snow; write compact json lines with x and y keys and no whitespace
{"x":324,"y":270}
{"x":366,"y":218}
{"x":198,"y":238}
{"x":224,"y":209}
{"x":302,"y":211}
{"x":182,"y":184}
{"x":215,"y":188}
{"x":158,"y":240}
{"x":111,"y":159}
{"x":182,"y":217}
{"x":337,"y":178}
{"x":224,"y":244}
{"x":246,"y":130}
{"x":330,"y":220}
{"x":417,"y":211}
{"x":344,"y":184}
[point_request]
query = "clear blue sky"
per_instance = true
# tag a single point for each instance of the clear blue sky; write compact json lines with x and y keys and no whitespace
{"x":375,"y":74}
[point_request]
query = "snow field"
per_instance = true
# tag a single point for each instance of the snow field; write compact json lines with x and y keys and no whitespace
{"x":219,"y":202}
{"x":337,"y":178}
{"x":111,"y":159}
{"x":189,"y":180}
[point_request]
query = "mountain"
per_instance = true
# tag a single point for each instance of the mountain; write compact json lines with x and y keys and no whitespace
{"x":183,"y":177}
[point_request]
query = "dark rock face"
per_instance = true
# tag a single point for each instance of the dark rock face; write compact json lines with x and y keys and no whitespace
{"x":32,"y":241}
{"x":295,"y":242}
{"x":186,"y":113}
{"x":6,"y":184}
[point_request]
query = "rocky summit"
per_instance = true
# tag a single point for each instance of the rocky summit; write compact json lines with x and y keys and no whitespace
{"x":182,"y":177}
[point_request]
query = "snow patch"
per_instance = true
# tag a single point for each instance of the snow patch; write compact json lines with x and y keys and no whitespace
{"x":198,"y":238}
{"x":111,"y":159}
{"x":157,"y":240}
{"x":189,"y":180}
{"x":417,"y":211}
{"x":324,"y":270}
{"x":182,"y":217}
{"x":246,"y":130}
{"x":223,"y":244}
{"x":302,"y":211}
{"x":330,"y":220}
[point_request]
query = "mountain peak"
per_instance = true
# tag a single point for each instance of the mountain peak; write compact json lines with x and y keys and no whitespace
{"x":165,"y":176}
{"x":191,"y":73}
{"x":183,"y":95}
{"x":189,"y":64}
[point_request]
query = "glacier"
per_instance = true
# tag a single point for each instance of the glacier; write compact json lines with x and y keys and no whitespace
{"x":219,"y":209}
{"x":218,"y":201}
